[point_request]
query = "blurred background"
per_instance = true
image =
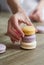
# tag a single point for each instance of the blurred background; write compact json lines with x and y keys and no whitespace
{"x":28,"y":6}
{"x":3,"y":6}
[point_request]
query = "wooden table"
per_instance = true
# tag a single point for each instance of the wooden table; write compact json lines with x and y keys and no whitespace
{"x":14,"y":55}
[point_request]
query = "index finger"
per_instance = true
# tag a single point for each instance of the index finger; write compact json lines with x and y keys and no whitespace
{"x":28,"y":21}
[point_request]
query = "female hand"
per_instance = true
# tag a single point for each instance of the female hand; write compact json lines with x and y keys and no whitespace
{"x":38,"y":13}
{"x":14,"y":30}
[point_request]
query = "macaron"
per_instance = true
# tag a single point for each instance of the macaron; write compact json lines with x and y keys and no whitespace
{"x":29,"y":39}
{"x":31,"y":45}
{"x":28,"y":30}
{"x":2,"y":48}
{"x":40,"y":29}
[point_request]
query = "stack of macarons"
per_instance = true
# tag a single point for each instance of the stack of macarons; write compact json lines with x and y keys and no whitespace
{"x":29,"y":40}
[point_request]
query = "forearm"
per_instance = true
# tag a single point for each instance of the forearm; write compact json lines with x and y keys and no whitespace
{"x":14,"y":5}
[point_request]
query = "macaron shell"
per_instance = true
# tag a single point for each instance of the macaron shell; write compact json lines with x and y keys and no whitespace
{"x":29,"y":33}
{"x":31,"y":45}
{"x":29,"y":39}
{"x":28,"y":30}
{"x":40,"y":29}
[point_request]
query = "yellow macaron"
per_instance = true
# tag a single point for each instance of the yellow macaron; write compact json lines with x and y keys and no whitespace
{"x":28,"y":30}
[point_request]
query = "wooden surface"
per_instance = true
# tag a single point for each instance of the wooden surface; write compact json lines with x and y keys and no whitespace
{"x":14,"y":55}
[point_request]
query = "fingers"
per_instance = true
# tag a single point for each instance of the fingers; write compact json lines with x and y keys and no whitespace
{"x":28,"y":22}
{"x":12,"y":40}
{"x":19,"y":30}
{"x":33,"y":16}
{"x":12,"y":33}
{"x":8,"y":31}
{"x":14,"y":30}
{"x":17,"y":27}
{"x":37,"y":16}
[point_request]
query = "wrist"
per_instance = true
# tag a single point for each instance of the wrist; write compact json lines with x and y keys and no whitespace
{"x":14,"y":6}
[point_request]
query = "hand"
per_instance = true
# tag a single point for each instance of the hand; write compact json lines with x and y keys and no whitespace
{"x":38,"y":13}
{"x":14,"y":30}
